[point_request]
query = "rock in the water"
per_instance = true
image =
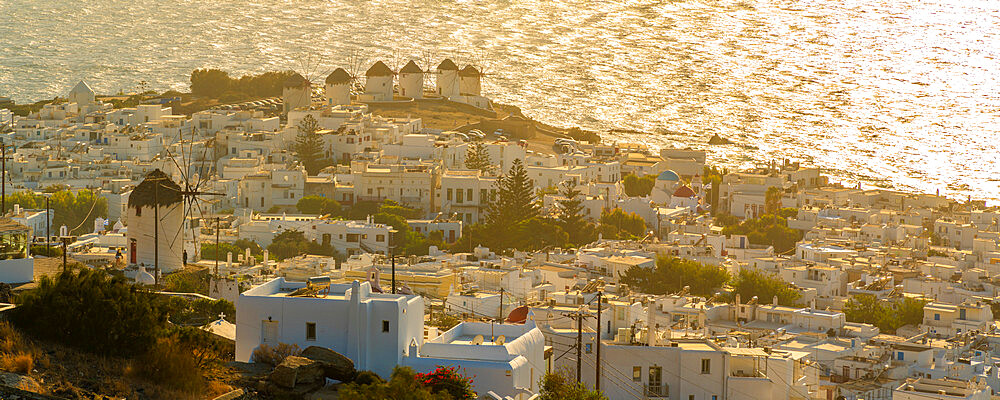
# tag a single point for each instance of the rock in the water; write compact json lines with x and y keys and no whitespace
{"x":335,"y":365}
{"x":716,"y":139}
{"x":296,"y":370}
{"x":18,"y":381}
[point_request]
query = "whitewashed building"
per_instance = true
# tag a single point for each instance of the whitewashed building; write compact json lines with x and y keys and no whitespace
{"x":375,"y":330}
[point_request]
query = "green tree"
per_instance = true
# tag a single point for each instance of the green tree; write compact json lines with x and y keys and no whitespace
{"x":318,"y":205}
{"x":558,"y":386}
{"x":538,"y":233}
{"x":672,"y":274}
{"x":772,"y":200}
{"x":515,"y":203}
{"x":636,"y":186}
{"x":886,"y":315}
{"x":76,"y":211}
{"x":209,"y":82}
{"x":712,"y":177}
{"x":477,"y":157}
{"x":308,"y":147}
{"x":750,"y":283}
{"x":617,"y":224}
{"x":572,"y":218}
{"x":769,"y":230}
{"x":292,"y":243}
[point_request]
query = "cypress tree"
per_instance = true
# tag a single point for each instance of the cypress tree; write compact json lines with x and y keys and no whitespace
{"x":478,"y":158}
{"x":514,"y":203}
{"x":308,"y":146}
{"x":571,"y":216}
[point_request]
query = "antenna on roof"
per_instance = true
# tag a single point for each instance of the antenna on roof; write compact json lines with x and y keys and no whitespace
{"x":478,"y":340}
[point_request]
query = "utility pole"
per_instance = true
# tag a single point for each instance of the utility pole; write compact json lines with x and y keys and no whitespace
{"x":597,"y":378}
{"x":65,"y":240}
{"x":500,"y":316}
{"x":48,"y":235}
{"x":579,"y":345}
{"x":156,"y":233}
{"x":3,"y":178}
{"x":218,"y":227}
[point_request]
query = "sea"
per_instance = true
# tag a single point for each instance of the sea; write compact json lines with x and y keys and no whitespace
{"x":901,"y":94}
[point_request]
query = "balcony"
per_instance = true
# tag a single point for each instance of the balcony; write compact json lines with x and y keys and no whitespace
{"x":658,"y":391}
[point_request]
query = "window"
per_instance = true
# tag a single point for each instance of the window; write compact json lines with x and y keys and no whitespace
{"x":636,"y":374}
{"x":937,"y":317}
{"x":468,"y":194}
{"x":588,"y":348}
{"x":706,"y":366}
{"x":460,"y":196}
{"x":385,"y":326}
{"x":482,"y":195}
{"x":655,"y":388}
{"x":690,"y":397}
{"x":379,"y":238}
{"x":899,"y":355}
{"x":448,"y":195}
{"x":310,"y":331}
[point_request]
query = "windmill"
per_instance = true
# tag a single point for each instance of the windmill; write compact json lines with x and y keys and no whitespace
{"x":355,"y":62}
{"x":192,"y":185}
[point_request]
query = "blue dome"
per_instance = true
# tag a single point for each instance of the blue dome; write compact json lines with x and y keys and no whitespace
{"x":668,"y":175}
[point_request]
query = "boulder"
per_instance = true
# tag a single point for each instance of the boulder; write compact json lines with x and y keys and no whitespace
{"x":19,"y":381}
{"x":295,"y":371}
{"x":335,"y":365}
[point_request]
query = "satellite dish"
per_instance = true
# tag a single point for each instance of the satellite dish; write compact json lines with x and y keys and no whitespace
{"x":477,"y":340}
{"x":500,"y":340}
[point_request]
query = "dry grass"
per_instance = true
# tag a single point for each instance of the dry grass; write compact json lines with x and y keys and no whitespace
{"x":21,"y":363}
{"x":171,"y":366}
{"x":274,"y":355}
{"x":16,"y":352}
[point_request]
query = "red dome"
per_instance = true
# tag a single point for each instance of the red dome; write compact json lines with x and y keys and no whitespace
{"x":518,"y":315}
{"x":684,"y":191}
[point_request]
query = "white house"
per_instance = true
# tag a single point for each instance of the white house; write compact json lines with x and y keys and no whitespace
{"x":941,"y":389}
{"x":506,"y":359}
{"x":16,"y":263}
{"x":375,"y":330}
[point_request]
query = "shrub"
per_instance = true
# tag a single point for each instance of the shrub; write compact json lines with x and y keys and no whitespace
{"x":92,"y":311}
{"x":448,"y":380}
{"x":41,"y":250}
{"x":274,"y":355}
{"x":169,"y":364}
{"x":21,"y":363}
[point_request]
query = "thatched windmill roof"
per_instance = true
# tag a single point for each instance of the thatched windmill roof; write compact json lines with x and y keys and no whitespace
{"x":169,"y":192}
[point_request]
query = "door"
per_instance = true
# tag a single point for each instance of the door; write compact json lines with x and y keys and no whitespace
{"x":269,"y":331}
{"x":131,"y":252}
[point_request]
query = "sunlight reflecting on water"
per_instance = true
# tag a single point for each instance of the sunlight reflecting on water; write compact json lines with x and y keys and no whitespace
{"x":897,"y":93}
